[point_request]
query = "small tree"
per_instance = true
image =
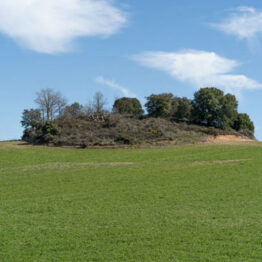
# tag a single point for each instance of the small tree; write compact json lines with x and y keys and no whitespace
{"x":126,"y":105}
{"x":243,"y":123}
{"x":49,"y":132}
{"x":75,"y":109}
{"x":159,"y":105}
{"x":31,"y":118}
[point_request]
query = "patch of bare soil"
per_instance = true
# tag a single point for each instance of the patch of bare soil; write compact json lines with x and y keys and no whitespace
{"x":228,"y":138}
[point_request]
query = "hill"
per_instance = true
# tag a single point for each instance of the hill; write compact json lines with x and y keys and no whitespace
{"x":109,"y":130}
{"x":169,"y":119}
{"x":185,"y":203}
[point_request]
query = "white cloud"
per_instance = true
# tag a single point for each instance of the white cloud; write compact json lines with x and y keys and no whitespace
{"x":200,"y":68}
{"x":51,"y":26}
{"x":112,"y":84}
{"x":245,"y":23}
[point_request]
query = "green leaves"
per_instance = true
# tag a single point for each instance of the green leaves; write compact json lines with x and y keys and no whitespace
{"x":213,"y":108}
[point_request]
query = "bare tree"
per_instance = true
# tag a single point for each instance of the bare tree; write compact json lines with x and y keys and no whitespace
{"x":61,"y":105}
{"x":51,"y":103}
{"x":99,"y":103}
{"x":89,"y":108}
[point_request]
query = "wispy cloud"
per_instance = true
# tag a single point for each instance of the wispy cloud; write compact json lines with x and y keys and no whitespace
{"x":112,"y":84}
{"x":244,"y":22}
{"x":51,"y":26}
{"x":200,"y":68}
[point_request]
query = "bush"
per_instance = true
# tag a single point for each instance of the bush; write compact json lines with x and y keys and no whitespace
{"x":49,"y":133}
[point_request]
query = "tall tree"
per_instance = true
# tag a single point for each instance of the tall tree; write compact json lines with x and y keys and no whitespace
{"x":212,"y":107}
{"x":51,"y":103}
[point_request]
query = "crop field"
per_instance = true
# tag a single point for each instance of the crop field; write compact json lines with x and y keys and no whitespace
{"x":185,"y":203}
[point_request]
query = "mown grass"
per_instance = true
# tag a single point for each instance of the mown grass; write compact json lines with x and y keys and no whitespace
{"x":184,"y":203}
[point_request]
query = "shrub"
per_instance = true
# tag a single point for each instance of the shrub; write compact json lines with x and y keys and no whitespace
{"x":49,"y":132}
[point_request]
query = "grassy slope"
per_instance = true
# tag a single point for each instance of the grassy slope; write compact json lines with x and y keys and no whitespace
{"x":165,"y":204}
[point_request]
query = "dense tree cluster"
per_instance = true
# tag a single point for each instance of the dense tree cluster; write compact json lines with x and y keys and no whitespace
{"x":210,"y":107}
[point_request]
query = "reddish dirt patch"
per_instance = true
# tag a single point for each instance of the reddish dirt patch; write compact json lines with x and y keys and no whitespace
{"x":228,"y":138}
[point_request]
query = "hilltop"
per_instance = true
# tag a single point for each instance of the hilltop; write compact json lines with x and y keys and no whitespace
{"x":169,"y":120}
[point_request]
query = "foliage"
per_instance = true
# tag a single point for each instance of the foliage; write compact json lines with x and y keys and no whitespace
{"x":75,"y":109}
{"x":49,"y":132}
{"x":243,"y":123}
{"x":182,"y":108}
{"x":159,"y":105}
{"x":31,"y":118}
{"x":228,"y":113}
{"x":126,"y":105}
{"x":213,"y":108}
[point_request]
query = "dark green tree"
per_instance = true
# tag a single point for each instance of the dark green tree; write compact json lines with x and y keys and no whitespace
{"x":160,"y":105}
{"x":243,"y":123}
{"x":182,"y":108}
{"x":228,"y":113}
{"x":49,"y":132}
{"x":31,"y":118}
{"x":126,"y":105}
{"x":213,"y":108}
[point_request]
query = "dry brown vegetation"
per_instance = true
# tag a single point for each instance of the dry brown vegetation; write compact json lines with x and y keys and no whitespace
{"x":119,"y":130}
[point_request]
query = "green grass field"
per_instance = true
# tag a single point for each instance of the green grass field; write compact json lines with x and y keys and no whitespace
{"x":184,"y":203}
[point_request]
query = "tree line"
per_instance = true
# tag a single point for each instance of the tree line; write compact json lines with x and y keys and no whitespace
{"x":210,"y":107}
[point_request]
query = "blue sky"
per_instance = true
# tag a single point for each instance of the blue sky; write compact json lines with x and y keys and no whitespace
{"x":128,"y":47}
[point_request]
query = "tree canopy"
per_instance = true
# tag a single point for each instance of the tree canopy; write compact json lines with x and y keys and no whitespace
{"x":213,"y":108}
{"x":126,"y":105}
{"x":182,"y":108}
{"x":159,"y":105}
{"x":31,"y":118}
{"x":243,"y":122}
